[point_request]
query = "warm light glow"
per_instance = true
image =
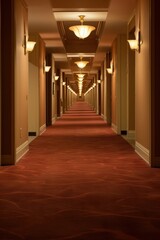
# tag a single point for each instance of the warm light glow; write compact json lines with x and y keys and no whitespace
{"x":82,"y":31}
{"x":80,"y":75}
{"x":110,"y":69}
{"x":30,"y":46}
{"x":80,"y":79}
{"x":81,"y":64}
{"x":133,"y":44}
{"x":47,"y":68}
{"x":69,"y":88}
{"x":56,"y":78}
{"x":99,"y":81}
{"x":27,"y":45}
{"x":64,"y":83}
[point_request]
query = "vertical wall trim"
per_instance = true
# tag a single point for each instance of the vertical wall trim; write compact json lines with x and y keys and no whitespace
{"x":7,"y":83}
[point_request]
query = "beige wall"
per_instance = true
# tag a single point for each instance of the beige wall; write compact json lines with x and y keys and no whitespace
{"x":54,"y":96}
{"x":37,"y":87}
{"x":102,"y":92}
{"x":21,"y":80}
{"x":42,"y":87}
{"x":33,"y":99}
{"x":131,"y":82}
{"x":105,"y":89}
{"x":122,"y":66}
{"x":119,"y":84}
{"x":143,"y":85}
{"x":113,"y":88}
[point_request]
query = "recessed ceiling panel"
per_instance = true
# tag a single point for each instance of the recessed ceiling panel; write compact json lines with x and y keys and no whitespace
{"x":80,"y":4}
{"x":74,"y":16}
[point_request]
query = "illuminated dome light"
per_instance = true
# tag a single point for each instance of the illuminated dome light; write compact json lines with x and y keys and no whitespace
{"x":80,"y":79}
{"x":82,"y":31}
{"x":81,"y":64}
{"x":80,"y":75}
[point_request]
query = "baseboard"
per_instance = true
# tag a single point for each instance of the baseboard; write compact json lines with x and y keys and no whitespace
{"x":131,"y":134}
{"x":54,"y":119}
{"x":42,"y":129}
{"x":102,"y":115}
{"x":114,"y":127}
{"x":142,"y":152}
{"x":105,"y":118}
{"x":22,"y":150}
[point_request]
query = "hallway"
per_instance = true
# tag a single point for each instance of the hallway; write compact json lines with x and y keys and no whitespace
{"x":80,"y":181}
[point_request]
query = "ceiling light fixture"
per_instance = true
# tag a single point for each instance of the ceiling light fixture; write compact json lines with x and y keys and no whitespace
{"x":81,"y":64}
{"x":82,"y":31}
{"x":80,"y":75}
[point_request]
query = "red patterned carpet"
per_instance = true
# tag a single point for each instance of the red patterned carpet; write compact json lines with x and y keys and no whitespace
{"x":80,"y":181}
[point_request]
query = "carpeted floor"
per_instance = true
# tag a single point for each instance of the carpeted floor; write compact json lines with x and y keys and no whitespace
{"x":80,"y":181}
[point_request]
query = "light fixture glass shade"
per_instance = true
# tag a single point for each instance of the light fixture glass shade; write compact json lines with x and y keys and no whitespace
{"x":133,"y":44}
{"x":27,"y":45}
{"x":47,"y":68}
{"x":80,"y":79}
{"x":109,"y":70}
{"x":80,"y":75}
{"x":30,"y":46}
{"x":56,"y":78}
{"x":136,"y":43}
{"x":82,"y":31}
{"x":81,"y":64}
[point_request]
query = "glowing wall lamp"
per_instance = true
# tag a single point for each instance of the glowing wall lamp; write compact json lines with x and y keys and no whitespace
{"x":82,"y":31}
{"x":56,"y":78}
{"x":110,"y":69}
{"x":28,"y":45}
{"x":135,"y":43}
{"x":47,"y":68}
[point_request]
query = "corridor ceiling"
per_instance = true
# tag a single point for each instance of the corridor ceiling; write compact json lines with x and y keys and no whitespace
{"x":52,"y":19}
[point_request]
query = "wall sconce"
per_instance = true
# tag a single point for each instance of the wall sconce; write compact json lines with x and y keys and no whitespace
{"x":110,"y":69}
{"x":98,"y":81}
{"x":56,"y":77}
{"x":136,"y":43}
{"x":47,"y":68}
{"x":28,"y":45}
{"x":64,"y":83}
